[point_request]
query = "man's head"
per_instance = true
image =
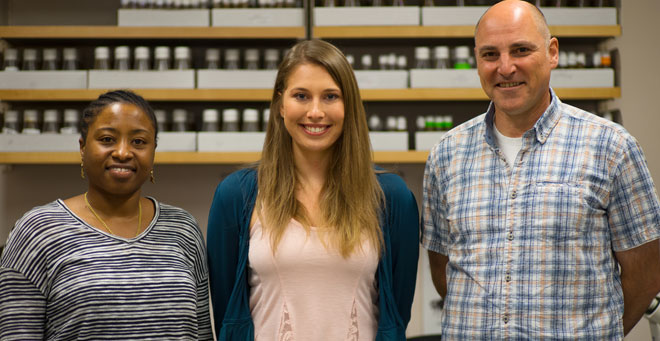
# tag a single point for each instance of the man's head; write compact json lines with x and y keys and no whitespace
{"x":515,"y":55}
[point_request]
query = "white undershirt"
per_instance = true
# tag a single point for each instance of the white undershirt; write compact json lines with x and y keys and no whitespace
{"x":510,"y":146}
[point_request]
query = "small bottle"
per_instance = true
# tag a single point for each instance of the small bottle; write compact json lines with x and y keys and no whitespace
{"x":49,"y":60}
{"x":231,"y":59}
{"x":252,"y":59}
{"x":462,"y":60}
{"x":382,"y":62}
{"x":10,"y":62}
{"x":448,"y":122}
{"x":141,"y":58}
{"x":271,"y":59}
{"x":401,"y":123}
{"x":250,"y":120}
{"x":402,"y":62}
{"x":162,"y":58}
{"x":122,"y":58}
{"x":70,"y":62}
{"x":11,"y":122}
{"x":366,"y":61}
{"x":351,"y":60}
{"x":422,"y":57}
{"x":210,"y":120}
{"x":31,"y":122}
{"x":102,"y":58}
{"x":182,"y":58}
{"x":562,"y":63}
{"x":605,"y":59}
{"x":581,"y":60}
{"x":438,"y":123}
{"x":212,"y":60}
{"x":179,"y":120}
{"x":161,"y":120}
{"x":351,"y":3}
{"x":391,"y":61}
{"x":265,"y":117}
{"x":441,"y":57}
{"x":390,"y":123}
{"x":429,"y":122}
{"x":420,"y":123}
{"x":51,"y":121}
{"x":572,"y":60}
{"x":595,"y":60}
{"x":70,"y":124}
{"x":29,"y":60}
{"x":230,"y":120}
{"x":375,"y":124}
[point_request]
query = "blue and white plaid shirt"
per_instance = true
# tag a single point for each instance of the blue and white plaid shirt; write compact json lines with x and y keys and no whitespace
{"x":531,"y":245}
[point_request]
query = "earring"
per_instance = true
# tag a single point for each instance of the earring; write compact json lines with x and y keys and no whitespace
{"x":82,"y":171}
{"x":153,"y":179}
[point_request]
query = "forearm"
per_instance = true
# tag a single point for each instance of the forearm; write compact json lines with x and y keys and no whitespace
{"x":438,"y":264}
{"x":636,"y":300}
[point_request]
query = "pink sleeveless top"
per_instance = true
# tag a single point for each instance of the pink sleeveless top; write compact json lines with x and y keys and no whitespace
{"x":307,"y":292}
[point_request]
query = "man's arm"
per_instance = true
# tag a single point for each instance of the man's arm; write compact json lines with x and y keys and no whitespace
{"x":438,"y":264}
{"x":640,"y":278}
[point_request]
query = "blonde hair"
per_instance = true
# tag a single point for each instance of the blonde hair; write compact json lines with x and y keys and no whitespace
{"x":351,"y":200}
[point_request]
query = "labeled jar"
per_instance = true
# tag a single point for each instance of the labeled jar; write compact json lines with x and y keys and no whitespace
{"x":252,"y":59}
{"x":51,"y":121}
{"x":230,"y":120}
{"x":29,"y":60}
{"x":31,"y":122}
{"x":71,"y":121}
{"x":142,"y":58}
{"x":422,"y":57}
{"x":10,"y":61}
{"x":161,"y":119}
{"x":462,"y":57}
{"x":179,"y":120}
{"x":70,"y":59}
{"x":102,"y":58}
{"x":210,"y":118}
{"x":122,"y":58}
{"x":250,"y":120}
{"x":441,"y":57}
{"x":212,"y":60}
{"x":182,"y":58}
{"x":11,"y":122}
{"x":271,"y":59}
{"x":162,"y":58}
{"x":49,"y":60}
{"x":231,"y":59}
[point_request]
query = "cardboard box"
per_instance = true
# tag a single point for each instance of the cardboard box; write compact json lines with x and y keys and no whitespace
{"x":389,"y":140}
{"x":366,"y":16}
{"x":579,"y":16}
{"x":258,"y":17}
{"x":444,"y":78}
{"x":170,"y":141}
{"x":39,"y":142}
{"x":582,"y":78}
{"x":230,"y":141}
{"x":236,"y":79}
{"x":163,"y":17}
{"x":452,"y":15}
{"x":43,"y":79}
{"x":170,"y":79}
{"x":382,"y":79}
{"x":425,"y":140}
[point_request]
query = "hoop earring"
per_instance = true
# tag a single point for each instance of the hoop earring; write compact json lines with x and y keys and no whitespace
{"x":153,"y":179}
{"x":82,"y":170}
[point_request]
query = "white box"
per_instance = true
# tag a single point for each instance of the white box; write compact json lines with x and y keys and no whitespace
{"x":382,"y":79}
{"x":389,"y":140}
{"x":444,"y":78}
{"x":579,"y":16}
{"x":230,"y":141}
{"x":257,"y":17}
{"x":170,"y":79}
{"x":43,"y":79}
{"x":582,"y":78}
{"x":425,"y":140}
{"x":452,"y":15}
{"x":171,"y":141}
{"x":366,"y":16}
{"x":163,"y":17}
{"x":236,"y":79}
{"x":39,"y":142}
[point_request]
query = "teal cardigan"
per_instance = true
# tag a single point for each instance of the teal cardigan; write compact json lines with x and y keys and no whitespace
{"x":227,"y":244}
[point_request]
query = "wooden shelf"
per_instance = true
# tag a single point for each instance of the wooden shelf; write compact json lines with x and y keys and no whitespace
{"x":264,"y":95}
{"x":190,"y":158}
{"x":127,"y":32}
{"x":368,"y":32}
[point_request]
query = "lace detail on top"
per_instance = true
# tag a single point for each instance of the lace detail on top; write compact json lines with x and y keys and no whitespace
{"x":286,"y":329}
{"x":353,"y":331}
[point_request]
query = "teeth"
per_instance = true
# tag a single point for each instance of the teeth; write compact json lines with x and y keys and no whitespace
{"x":314,"y":129}
{"x":120,"y":169}
{"x":509,"y":85}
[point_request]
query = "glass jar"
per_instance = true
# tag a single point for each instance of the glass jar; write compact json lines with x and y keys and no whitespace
{"x":231,"y":59}
{"x":11,"y":122}
{"x":31,"y":122}
{"x":10,"y":62}
{"x":122,"y":58}
{"x":422,"y":57}
{"x":142,"y":58}
{"x":162,"y":58}
{"x":179,"y":120}
{"x":212,"y":60}
{"x":49,"y":60}
{"x":250,"y":120}
{"x":51,"y":121}
{"x":230,"y":119}
{"x":71,"y":121}
{"x":70,"y":57}
{"x":182,"y":58}
{"x":210,"y":118}
{"x":102,"y":58}
{"x":29,"y":60}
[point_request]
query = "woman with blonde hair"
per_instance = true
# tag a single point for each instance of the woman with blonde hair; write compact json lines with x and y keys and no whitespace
{"x":313,"y":243}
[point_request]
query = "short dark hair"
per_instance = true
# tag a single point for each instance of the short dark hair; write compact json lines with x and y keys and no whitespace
{"x":111,"y":97}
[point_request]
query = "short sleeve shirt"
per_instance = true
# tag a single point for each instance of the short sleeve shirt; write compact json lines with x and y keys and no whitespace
{"x":530,"y":244}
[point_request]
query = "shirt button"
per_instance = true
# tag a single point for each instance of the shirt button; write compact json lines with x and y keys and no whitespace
{"x":514,"y":194}
{"x":507,"y":278}
{"x":505,"y":318}
{"x":509,"y":236}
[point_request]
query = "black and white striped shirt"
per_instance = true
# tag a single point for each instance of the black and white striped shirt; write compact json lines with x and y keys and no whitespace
{"x":61,"y":279}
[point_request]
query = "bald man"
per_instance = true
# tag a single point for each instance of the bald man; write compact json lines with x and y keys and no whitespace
{"x":541,"y":220}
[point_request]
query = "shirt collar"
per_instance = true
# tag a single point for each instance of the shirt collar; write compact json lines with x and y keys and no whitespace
{"x":542,"y":127}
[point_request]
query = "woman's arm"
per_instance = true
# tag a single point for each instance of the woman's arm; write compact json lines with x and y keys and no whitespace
{"x":22,"y":307}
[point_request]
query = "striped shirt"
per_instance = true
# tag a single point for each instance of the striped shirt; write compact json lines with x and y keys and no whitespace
{"x":61,"y":279}
{"x":530,"y":244}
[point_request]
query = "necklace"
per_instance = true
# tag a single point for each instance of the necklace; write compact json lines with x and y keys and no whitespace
{"x":106,"y":225}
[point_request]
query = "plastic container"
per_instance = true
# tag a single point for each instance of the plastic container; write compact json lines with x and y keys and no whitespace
{"x":29,"y":60}
{"x":250,"y":120}
{"x":182,"y":58}
{"x":122,"y":58}
{"x":11,"y":125}
{"x":70,"y":59}
{"x":232,"y":57}
{"x":462,"y":57}
{"x":30,"y":122}
{"x":212,"y":60}
{"x":179,"y":120}
{"x":162,"y":58}
{"x":142,"y":58}
{"x":230,"y":120}
{"x":102,"y":58}
{"x":10,"y":60}
{"x":50,"y":59}
{"x":422,"y":57}
{"x":71,"y":119}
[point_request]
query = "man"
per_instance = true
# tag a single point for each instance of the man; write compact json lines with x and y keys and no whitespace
{"x":541,"y":220}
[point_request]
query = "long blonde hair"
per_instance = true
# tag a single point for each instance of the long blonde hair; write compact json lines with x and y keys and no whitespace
{"x":351,"y":200}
